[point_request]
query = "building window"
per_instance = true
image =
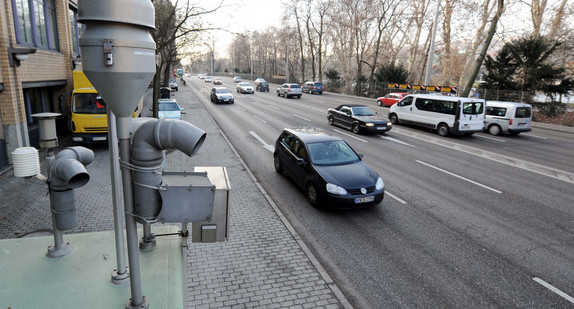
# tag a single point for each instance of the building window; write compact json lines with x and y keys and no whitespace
{"x":76,"y":30}
{"x":36,"y":23}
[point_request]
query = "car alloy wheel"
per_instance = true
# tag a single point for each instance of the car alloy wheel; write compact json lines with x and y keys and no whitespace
{"x":394,"y":119}
{"x":278,"y":93}
{"x":379,"y":103}
{"x":331,"y":120}
{"x":277,"y":164}
{"x":312,"y":195}
{"x":356,"y":128}
{"x":285,"y":95}
{"x":442,"y":129}
{"x":494,"y":130}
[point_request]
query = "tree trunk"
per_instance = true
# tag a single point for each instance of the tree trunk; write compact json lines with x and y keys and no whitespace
{"x":480,"y":59}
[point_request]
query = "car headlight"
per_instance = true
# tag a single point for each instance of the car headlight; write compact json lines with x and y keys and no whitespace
{"x":369,"y":124}
{"x":334,"y":189}
{"x":389,"y":123}
{"x":380,"y":184}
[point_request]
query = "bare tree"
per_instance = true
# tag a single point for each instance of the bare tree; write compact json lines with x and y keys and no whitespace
{"x":485,"y":46}
{"x":174,"y":24}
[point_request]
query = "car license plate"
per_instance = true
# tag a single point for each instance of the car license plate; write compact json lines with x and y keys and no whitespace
{"x":381,"y":128}
{"x":365,"y":199}
{"x":100,"y":138}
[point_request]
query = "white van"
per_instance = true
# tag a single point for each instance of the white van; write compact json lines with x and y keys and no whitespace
{"x":444,"y":114}
{"x":507,"y":117}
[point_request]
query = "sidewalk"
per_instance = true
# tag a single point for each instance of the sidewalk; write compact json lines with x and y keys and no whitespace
{"x":263,"y":264}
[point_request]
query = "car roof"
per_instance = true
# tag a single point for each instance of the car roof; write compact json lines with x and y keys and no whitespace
{"x":353,"y":105}
{"x":312,"y":134}
{"x":505,"y":103}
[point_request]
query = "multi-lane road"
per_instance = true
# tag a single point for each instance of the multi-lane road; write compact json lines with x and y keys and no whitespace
{"x":467,"y":222}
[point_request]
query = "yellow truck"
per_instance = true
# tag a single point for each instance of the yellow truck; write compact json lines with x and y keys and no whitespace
{"x":89,"y":119}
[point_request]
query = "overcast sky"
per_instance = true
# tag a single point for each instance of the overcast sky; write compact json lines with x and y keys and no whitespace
{"x":240,"y":16}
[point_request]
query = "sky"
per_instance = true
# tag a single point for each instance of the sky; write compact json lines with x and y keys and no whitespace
{"x":240,"y":16}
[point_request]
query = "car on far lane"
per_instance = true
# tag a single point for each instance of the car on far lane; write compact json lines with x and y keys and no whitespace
{"x":290,"y":90}
{"x":169,"y":108}
{"x":259,"y":80}
{"x":312,"y":87}
{"x":245,"y":87}
{"x":221,"y":95}
{"x":237,"y":79}
{"x":391,"y":98}
{"x":358,"y":118}
{"x":208,"y":79}
{"x":217,"y":81}
{"x":173,"y":84}
{"x":329,"y":171}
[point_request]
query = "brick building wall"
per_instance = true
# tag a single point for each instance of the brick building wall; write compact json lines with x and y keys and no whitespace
{"x":47,"y":72}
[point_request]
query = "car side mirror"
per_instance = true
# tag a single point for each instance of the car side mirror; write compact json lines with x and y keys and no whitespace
{"x":181,"y":108}
{"x":301,"y":161}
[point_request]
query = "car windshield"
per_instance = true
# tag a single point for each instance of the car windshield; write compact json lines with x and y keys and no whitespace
{"x":88,"y":103}
{"x":244,"y":84}
{"x":332,"y":153}
{"x":295,"y":86}
{"x":363,"y":111}
{"x":222,"y":91}
{"x":318,"y":85}
{"x":168,"y":107}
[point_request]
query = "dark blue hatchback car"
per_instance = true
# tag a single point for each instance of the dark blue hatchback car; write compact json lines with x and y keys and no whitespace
{"x":328,"y":169}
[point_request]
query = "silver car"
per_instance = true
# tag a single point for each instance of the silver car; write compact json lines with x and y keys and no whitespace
{"x":245,"y":87}
{"x":290,"y":90}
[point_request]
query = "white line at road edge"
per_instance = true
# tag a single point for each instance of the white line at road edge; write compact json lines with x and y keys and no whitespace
{"x":260,"y":119}
{"x":553,"y":289}
{"x":525,"y":165}
{"x":395,"y":197}
{"x":395,"y":140}
{"x":460,"y":177}
{"x":349,"y":135}
{"x":536,"y":136}
{"x":301,"y":117}
{"x":490,"y":138}
{"x":265,"y":145}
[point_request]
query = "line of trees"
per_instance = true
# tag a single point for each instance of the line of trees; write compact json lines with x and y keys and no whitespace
{"x":355,"y":39}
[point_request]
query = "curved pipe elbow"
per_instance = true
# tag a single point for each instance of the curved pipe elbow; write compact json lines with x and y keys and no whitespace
{"x":165,"y":134}
{"x":68,"y":170}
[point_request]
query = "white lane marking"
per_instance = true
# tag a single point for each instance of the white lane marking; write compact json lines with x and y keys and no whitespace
{"x":553,"y":289}
{"x":540,"y":137}
{"x":349,"y":135}
{"x":241,"y":108}
{"x":490,"y":138}
{"x":265,"y":145}
{"x":457,"y":176}
{"x":274,"y":107}
{"x":525,"y":165}
{"x":395,"y":197}
{"x":301,"y":117}
{"x":260,"y":119}
{"x":395,"y":140}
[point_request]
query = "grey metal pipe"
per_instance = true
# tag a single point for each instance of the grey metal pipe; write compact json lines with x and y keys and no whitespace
{"x":137,"y":299}
{"x":67,"y":172}
{"x":121,"y":275}
{"x":148,"y":143}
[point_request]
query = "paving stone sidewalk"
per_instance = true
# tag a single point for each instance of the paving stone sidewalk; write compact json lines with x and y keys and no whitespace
{"x":262,"y":265}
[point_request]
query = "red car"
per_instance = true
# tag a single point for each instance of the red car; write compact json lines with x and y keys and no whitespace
{"x":391,"y":98}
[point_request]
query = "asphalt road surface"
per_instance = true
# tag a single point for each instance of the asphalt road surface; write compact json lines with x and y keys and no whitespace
{"x":467,"y":222}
